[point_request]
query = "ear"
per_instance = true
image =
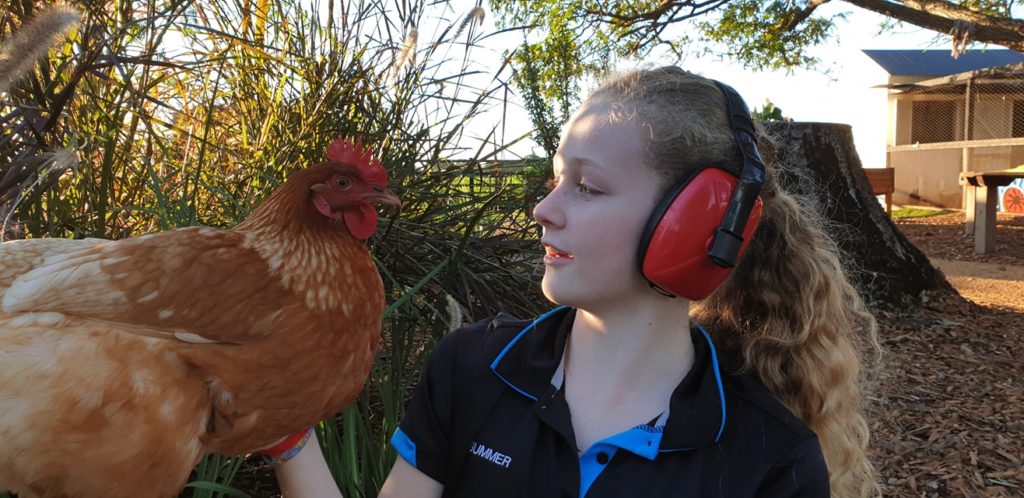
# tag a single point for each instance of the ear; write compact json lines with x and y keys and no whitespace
{"x":673,"y":253}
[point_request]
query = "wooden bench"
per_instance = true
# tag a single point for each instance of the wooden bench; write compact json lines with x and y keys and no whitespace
{"x":882,"y":181}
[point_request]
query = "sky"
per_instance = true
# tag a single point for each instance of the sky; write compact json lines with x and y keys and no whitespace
{"x":845,"y":95}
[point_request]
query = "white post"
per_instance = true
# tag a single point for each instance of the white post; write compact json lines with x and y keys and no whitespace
{"x":965,"y":162}
{"x":969,"y":208}
{"x":985,"y":219}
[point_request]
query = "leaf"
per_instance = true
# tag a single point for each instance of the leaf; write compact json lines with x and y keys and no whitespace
{"x":219,"y":488}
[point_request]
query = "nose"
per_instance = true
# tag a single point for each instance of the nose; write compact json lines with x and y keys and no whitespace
{"x":548,"y":213}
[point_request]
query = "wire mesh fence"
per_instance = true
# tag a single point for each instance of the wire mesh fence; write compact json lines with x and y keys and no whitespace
{"x":961,"y":111}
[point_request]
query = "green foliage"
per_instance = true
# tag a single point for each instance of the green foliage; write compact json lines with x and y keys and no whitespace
{"x":189,"y":112}
{"x":213,"y":476}
{"x":547,"y":124}
{"x":910,"y":212}
{"x":576,"y":38}
{"x":768,"y":112}
{"x":575,"y":42}
{"x":758,"y":35}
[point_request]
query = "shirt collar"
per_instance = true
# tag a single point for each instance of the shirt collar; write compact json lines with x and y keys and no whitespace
{"x":697,"y":409}
{"x":531,"y":357}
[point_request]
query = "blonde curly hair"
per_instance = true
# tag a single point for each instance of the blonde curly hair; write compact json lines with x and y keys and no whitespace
{"x":788,"y":313}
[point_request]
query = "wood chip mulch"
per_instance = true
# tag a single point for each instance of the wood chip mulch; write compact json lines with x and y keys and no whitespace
{"x":948,"y":411}
{"x":943,"y":237}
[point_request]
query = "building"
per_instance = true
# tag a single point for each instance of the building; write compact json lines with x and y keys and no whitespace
{"x":951,"y":115}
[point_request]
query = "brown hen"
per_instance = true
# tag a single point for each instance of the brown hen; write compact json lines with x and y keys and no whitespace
{"x":123,"y":362}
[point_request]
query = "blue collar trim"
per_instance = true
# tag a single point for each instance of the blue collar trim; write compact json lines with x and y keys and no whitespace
{"x":718,"y":378}
{"x":494,"y":364}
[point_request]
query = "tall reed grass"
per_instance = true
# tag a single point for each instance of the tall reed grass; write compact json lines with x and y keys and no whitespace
{"x":160,"y":114}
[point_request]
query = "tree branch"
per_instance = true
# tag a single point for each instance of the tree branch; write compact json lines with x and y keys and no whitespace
{"x":644,"y":29}
{"x":801,"y":15}
{"x":653,"y":16}
{"x":941,"y":16}
{"x":936,"y":15}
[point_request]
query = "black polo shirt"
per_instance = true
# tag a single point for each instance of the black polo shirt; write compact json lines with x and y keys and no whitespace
{"x":723,"y":434}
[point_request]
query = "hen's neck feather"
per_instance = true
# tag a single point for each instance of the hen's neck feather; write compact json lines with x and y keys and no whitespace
{"x":314,"y":256}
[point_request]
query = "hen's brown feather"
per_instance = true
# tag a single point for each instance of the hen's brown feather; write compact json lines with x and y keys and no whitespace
{"x":90,"y":412}
{"x":194,"y":283}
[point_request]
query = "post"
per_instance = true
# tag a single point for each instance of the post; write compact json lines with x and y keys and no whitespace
{"x":969,"y":208}
{"x":967,"y":111}
{"x":965,"y":161}
{"x":985,"y":199}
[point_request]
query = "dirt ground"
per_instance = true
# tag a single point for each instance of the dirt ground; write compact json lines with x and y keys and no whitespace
{"x":948,"y":414}
{"x":990,"y":284}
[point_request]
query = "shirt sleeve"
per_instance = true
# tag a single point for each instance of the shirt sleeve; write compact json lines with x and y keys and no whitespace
{"x":423,"y":437}
{"x":801,"y":473}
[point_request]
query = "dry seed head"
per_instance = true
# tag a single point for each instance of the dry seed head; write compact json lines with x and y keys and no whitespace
{"x":474,"y":16}
{"x":33,"y":40}
{"x":64,"y":159}
{"x":408,"y":53}
{"x":477,"y":13}
{"x":454,"y":310}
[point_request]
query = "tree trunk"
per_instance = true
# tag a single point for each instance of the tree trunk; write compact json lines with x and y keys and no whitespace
{"x":819,"y":162}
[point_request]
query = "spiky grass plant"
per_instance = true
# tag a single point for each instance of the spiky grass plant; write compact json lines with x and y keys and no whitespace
{"x":185,"y":112}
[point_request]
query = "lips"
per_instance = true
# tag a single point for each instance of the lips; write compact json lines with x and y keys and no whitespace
{"x":553,"y":251}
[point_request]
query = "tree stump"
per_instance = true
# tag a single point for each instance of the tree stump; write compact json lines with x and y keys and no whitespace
{"x":819,"y":162}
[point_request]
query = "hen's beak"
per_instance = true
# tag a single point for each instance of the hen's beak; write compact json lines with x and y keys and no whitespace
{"x":381,"y":195}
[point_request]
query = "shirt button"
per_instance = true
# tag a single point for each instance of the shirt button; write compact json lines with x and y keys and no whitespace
{"x":602,"y":458}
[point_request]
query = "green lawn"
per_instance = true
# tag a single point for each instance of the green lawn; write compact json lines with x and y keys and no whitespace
{"x":915,"y":212}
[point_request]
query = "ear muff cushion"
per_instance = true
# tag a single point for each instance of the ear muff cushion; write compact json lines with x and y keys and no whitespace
{"x":674,"y":247}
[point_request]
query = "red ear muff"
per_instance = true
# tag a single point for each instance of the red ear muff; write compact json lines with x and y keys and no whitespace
{"x":675,"y":245}
{"x":698,"y":232}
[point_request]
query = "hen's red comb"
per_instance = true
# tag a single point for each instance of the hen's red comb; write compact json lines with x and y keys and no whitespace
{"x":344,"y":151}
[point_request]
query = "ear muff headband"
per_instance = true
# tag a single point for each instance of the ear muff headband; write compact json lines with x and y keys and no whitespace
{"x":699,"y":230}
{"x":728,"y":239}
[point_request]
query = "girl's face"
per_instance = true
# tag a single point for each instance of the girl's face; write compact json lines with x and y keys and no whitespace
{"x":593,"y":217}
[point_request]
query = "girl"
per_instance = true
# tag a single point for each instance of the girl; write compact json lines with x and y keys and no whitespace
{"x":629,"y":388}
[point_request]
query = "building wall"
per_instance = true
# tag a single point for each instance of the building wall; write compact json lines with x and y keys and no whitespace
{"x":928,"y":177}
{"x":932,"y":177}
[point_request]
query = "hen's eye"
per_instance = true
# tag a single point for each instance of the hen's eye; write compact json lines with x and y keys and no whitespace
{"x":343,"y":182}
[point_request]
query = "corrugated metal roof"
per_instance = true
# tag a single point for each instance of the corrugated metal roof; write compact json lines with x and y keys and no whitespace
{"x":939,"y":62}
